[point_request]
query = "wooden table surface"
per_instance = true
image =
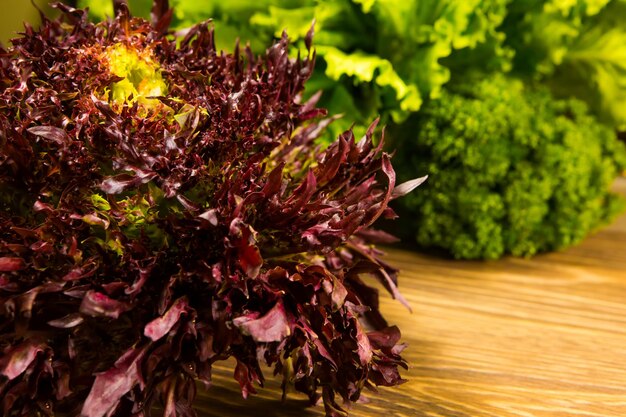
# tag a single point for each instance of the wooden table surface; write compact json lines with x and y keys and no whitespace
{"x":517,"y":337}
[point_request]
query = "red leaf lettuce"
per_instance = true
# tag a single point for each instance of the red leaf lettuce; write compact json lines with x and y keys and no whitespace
{"x":164,"y":206}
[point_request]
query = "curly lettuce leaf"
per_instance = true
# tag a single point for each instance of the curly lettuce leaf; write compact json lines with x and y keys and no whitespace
{"x":541,"y":32}
{"x":389,"y":53}
{"x":416,"y":36}
{"x":362,"y":67}
{"x":594,"y":67}
{"x":577,"y":46}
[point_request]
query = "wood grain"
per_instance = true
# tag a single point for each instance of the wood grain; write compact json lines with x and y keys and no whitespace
{"x":511,"y":338}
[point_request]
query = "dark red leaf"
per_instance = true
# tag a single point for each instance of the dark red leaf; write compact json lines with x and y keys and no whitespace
{"x":271,"y":327}
{"x":386,"y":374}
{"x":18,"y":359}
{"x":300,"y":196}
{"x":120,"y":6}
{"x":388,"y":282}
{"x":338,"y":294}
{"x":274,"y":181}
{"x":377,"y":236}
{"x":210,"y":216}
{"x":10,"y":264}
{"x":333,"y":159}
{"x":308,"y":39}
{"x":242,"y":375}
{"x":63,"y":389}
{"x":96,"y":304}
{"x":330,"y":405}
{"x":66,"y":322}
{"x":109,"y":387}
{"x":120,"y":183}
{"x":363,"y":343}
{"x":161,"y":16}
{"x":52,"y":133}
{"x":386,"y":338}
{"x":160,"y":326}
{"x":248,"y":253}
{"x":391,"y":177}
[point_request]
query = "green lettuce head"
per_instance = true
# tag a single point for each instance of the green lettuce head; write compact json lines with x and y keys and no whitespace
{"x":511,"y":171}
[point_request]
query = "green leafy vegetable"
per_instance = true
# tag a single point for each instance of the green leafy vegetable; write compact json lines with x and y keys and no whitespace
{"x":578,"y":47}
{"x":512,"y":171}
{"x":594,"y":68}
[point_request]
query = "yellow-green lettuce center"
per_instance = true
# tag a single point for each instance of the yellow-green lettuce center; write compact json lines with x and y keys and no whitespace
{"x":141,"y":76}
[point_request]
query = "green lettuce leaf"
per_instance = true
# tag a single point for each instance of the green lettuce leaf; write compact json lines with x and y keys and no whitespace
{"x":389,"y":53}
{"x":418,"y":35}
{"x":361,"y":67}
{"x":578,"y":47}
{"x":594,"y":66}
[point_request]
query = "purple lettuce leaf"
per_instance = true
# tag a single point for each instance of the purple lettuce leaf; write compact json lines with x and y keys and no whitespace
{"x":144,"y":240}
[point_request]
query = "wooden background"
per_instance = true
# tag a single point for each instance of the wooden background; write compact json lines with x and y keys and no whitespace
{"x":524,"y":338}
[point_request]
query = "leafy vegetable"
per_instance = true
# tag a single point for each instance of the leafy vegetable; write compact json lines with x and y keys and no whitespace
{"x":163,"y":207}
{"x":578,"y":47}
{"x":524,"y":173}
{"x":376,"y":57}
